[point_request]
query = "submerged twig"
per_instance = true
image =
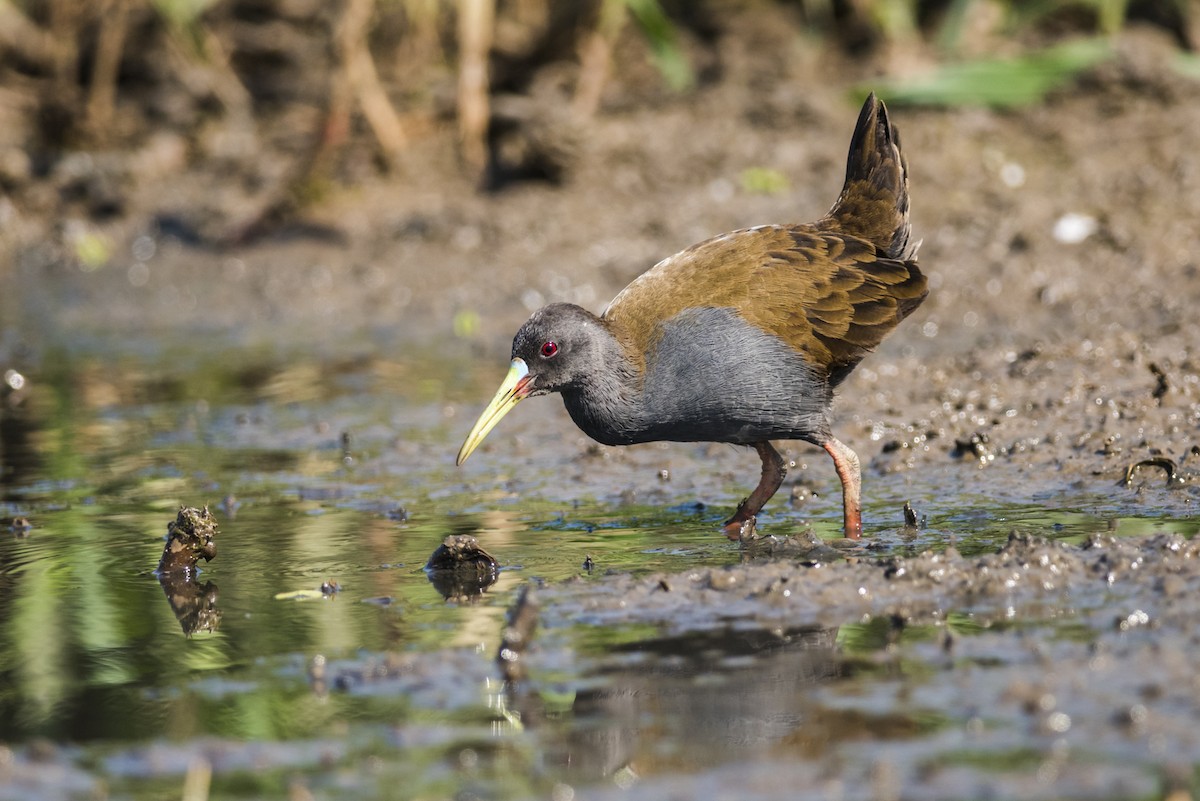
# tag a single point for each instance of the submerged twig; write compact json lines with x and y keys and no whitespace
{"x":1167,"y":465}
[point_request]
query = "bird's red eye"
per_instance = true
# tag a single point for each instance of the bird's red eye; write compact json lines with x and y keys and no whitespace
{"x":549,"y":349}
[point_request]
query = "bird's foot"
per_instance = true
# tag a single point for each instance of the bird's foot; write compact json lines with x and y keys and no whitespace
{"x":742,"y":526}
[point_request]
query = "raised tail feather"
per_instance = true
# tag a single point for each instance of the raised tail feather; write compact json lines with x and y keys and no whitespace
{"x":874,"y":200}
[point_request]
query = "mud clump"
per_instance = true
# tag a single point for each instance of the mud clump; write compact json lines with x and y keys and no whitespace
{"x":190,"y":537}
{"x":1026,"y":572}
{"x":1073,"y":656}
{"x":460,"y":569}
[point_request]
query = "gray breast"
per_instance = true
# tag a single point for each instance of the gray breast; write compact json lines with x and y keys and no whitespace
{"x":714,"y":377}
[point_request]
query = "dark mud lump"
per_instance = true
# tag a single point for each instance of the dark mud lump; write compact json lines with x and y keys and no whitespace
{"x":190,"y":536}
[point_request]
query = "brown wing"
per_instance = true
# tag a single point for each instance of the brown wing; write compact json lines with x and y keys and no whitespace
{"x":833,"y":297}
{"x":830,"y":296}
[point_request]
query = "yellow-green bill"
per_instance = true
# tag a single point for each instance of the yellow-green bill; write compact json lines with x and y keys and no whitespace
{"x":511,"y":392}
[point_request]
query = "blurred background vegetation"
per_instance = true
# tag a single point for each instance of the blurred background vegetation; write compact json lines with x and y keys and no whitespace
{"x":284,"y":98}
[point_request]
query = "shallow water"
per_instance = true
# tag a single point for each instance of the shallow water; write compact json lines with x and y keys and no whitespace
{"x":342,"y":470}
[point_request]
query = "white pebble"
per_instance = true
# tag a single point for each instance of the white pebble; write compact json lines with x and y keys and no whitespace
{"x":1072,"y":228}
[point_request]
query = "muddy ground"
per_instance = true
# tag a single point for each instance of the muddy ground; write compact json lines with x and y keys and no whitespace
{"x":1056,"y":351}
{"x":999,"y":694}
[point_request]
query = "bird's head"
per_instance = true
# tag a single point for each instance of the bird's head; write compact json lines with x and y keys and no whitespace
{"x":554,"y":351}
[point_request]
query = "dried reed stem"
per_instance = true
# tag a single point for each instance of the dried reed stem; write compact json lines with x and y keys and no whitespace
{"x":362,"y":79}
{"x":110,"y":42}
{"x":475,"y":19}
{"x":595,"y":57}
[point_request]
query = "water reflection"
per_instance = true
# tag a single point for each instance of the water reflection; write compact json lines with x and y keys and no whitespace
{"x":685,"y":702}
{"x":194,"y":604}
{"x":100,"y":455}
{"x":19,"y":459}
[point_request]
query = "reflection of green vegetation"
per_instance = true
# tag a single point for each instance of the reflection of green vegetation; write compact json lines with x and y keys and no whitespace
{"x":1074,"y":631}
{"x":964,"y":624}
{"x":864,"y":638}
{"x":861,"y":643}
{"x":1016,"y":759}
{"x":366,"y":764}
{"x":84,"y":624}
{"x":879,"y":632}
{"x":597,"y":640}
{"x":85,"y":629}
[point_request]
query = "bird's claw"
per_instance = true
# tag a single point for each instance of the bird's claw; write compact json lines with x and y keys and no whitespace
{"x":741,"y":528}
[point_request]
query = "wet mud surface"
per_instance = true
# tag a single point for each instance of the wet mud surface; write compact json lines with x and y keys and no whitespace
{"x":1044,"y":670}
{"x":1050,"y":387}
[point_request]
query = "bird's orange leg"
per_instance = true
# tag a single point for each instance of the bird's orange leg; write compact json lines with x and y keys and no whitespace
{"x":846,"y":462}
{"x":773,"y":471}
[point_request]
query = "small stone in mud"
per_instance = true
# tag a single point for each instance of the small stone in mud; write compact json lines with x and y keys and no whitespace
{"x":460,"y":568}
{"x":1132,"y":719}
{"x":190,"y":536}
{"x":399,"y":514}
{"x":722,"y":580}
{"x":1162,"y":386}
{"x":976,"y":446}
{"x":1171,"y":586}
